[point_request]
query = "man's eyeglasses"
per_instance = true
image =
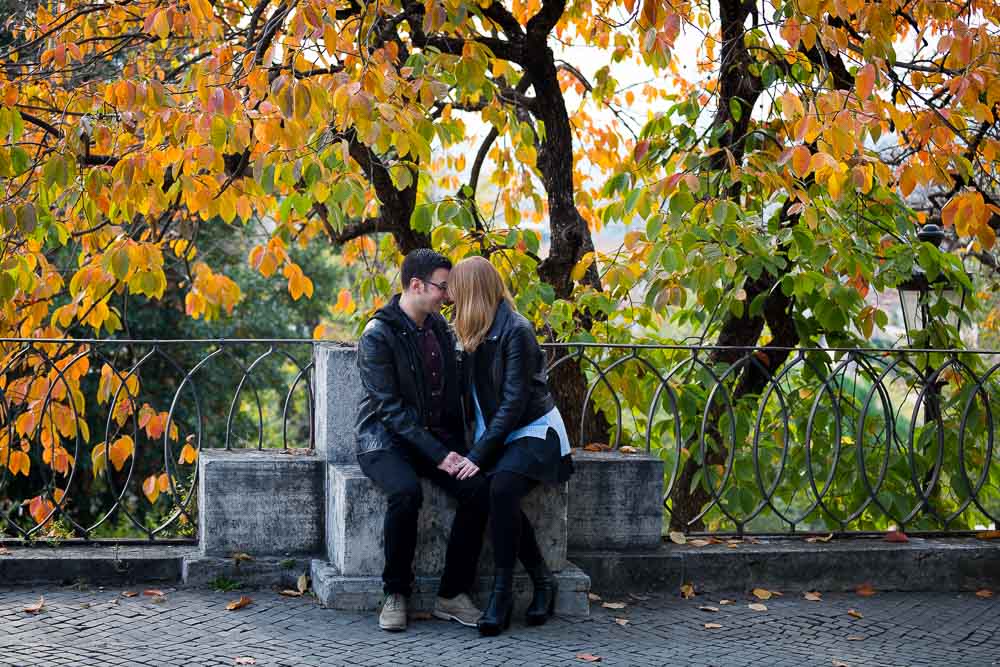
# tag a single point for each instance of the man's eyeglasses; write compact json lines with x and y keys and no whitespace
{"x":441,"y":286}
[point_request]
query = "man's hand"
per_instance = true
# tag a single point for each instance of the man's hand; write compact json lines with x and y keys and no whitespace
{"x":466,"y":469}
{"x":451,"y":463}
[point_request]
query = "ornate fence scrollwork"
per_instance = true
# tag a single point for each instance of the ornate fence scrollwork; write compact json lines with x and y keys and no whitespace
{"x":100,"y":439}
{"x":842,"y":440}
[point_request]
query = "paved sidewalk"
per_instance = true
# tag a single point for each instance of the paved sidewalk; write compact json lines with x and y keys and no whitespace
{"x":189,"y":628}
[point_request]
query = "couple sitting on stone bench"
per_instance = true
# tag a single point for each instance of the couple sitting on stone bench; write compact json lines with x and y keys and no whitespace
{"x":479,"y":423}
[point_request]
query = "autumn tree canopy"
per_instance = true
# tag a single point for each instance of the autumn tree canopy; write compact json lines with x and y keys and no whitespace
{"x":772,"y":161}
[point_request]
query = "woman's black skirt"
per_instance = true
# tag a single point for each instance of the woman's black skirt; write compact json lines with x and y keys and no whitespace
{"x":537,"y":459}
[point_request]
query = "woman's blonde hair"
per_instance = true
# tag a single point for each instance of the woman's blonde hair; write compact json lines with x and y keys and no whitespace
{"x":476,"y":288}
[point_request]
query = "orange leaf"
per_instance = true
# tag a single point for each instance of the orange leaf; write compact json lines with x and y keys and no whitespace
{"x":865,"y":590}
{"x":153,"y":591}
{"x":239,"y":604}
{"x":37,"y":607}
{"x":984,"y":593}
{"x":188,"y":454}
{"x":855,"y":613}
{"x":121,"y":450}
{"x":865,"y":81}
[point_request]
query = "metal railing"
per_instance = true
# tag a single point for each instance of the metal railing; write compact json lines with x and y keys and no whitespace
{"x":776,"y":440}
{"x":100,"y":438}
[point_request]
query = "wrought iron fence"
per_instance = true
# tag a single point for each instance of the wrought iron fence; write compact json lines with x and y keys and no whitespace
{"x":100,"y":439}
{"x":776,"y":440}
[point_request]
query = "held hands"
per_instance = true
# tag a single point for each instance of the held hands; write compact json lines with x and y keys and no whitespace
{"x":458,"y":466}
{"x":466,"y":469}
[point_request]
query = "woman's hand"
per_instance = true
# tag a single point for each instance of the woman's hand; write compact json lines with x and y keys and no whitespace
{"x":466,"y":469}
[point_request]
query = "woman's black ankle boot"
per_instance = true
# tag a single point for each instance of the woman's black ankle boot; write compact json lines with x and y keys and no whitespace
{"x":543,"y":602}
{"x":496,"y":616}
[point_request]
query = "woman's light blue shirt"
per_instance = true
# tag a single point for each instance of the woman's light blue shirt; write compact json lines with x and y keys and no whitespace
{"x":536,"y":429}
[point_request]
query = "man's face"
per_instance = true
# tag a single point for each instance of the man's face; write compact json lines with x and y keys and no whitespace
{"x":434,"y":291}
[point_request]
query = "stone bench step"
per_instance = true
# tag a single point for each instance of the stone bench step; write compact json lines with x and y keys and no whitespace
{"x":362,"y":593}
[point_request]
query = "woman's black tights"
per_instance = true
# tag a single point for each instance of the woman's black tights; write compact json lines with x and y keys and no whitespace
{"x":513,"y":536}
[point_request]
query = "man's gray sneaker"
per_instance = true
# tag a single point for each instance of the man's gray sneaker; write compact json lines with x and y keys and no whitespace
{"x":458,"y":608}
{"x":393,"y":616}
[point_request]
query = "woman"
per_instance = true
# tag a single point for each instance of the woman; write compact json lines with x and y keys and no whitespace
{"x":520,"y":439}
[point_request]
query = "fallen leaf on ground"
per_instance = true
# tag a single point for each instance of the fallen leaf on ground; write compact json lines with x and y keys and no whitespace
{"x":751,"y":540}
{"x":4,"y":551}
{"x":640,"y":598}
{"x":854,"y":638}
{"x":855,"y":613}
{"x":622,"y":621}
{"x":85,"y":605}
{"x":244,"y":661}
{"x":613,"y":605}
{"x":865,"y":590}
{"x":241,"y":557}
{"x":153,"y":591}
{"x":158,"y":599}
{"x":597,"y":447}
{"x":734,"y":542}
{"x":687,"y":591}
{"x":37,"y":607}
{"x":303,"y":583}
{"x":727,"y":601}
{"x":677,"y":537}
{"x":708,"y":608}
{"x":732,"y":545}
{"x":712,"y":626}
{"x":587,"y":657}
{"x":289,"y":593}
{"x":813,"y":596}
{"x":757,"y":606}
{"x":819,"y":538}
{"x":593,"y":597}
{"x":628,"y":449}
{"x":129,"y":594}
{"x":984,"y":593}
{"x":239,"y":604}
{"x":896,"y":536}
{"x":698,"y":542}
{"x":421,"y":616}
{"x":762,"y":594}
{"x":840,"y":663}
{"x":988,"y":535}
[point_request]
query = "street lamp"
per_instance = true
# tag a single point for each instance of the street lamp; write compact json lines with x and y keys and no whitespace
{"x":914,"y":292}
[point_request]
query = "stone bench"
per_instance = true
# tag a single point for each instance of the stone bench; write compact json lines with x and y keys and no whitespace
{"x":351,"y":577}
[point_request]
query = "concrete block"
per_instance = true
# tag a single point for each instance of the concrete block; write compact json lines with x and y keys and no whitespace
{"x":364,"y":593}
{"x":201,"y":571}
{"x":266,"y":503}
{"x":338,"y":394}
{"x":922,"y":564}
{"x":357,"y":507}
{"x":615,"y":501}
{"x":95,"y":564}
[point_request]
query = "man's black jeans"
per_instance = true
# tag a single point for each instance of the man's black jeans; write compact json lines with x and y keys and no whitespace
{"x":398,"y":475}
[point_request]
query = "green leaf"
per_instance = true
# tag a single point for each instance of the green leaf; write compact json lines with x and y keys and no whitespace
{"x":421,"y":220}
{"x":19,"y":161}
{"x":7,"y":286}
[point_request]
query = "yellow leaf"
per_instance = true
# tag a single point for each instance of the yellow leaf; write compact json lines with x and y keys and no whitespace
{"x":762,"y":593}
{"x":151,"y":488}
{"x":98,"y":458}
{"x":800,"y":160}
{"x":580,"y":270}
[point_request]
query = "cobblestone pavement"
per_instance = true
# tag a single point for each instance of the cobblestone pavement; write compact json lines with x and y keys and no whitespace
{"x":190,"y":628}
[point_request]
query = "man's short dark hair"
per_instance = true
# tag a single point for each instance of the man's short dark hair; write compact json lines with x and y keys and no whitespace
{"x":421,"y":263}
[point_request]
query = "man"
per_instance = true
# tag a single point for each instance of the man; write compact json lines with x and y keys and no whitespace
{"x":410,"y":425}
